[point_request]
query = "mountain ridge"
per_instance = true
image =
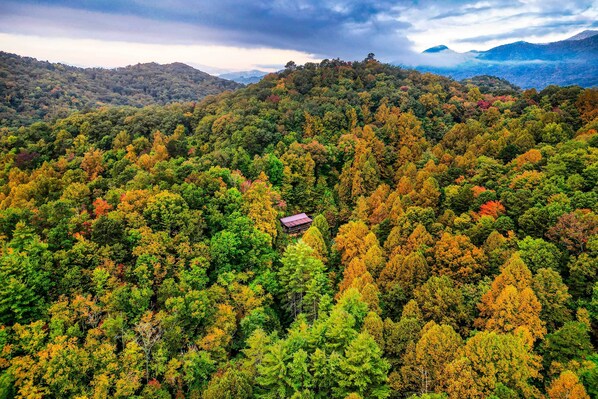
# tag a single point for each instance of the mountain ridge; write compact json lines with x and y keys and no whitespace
{"x":565,"y":62}
{"x":38,"y":90}
{"x":583,"y":35}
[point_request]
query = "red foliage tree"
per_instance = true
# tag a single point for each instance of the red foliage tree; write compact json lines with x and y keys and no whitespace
{"x":492,"y":208}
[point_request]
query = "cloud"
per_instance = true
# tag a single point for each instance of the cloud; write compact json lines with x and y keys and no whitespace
{"x":327,"y":28}
{"x":94,"y":53}
{"x":460,"y":12}
{"x":395,"y":30}
{"x":534,"y":31}
{"x":480,"y":25}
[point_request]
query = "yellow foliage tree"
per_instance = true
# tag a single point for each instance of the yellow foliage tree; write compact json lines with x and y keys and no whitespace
{"x":511,"y":305}
{"x":455,"y":256}
{"x":437,"y":347}
{"x":313,"y":237}
{"x":488,"y":359}
{"x":259,"y":204}
{"x":350,"y":241}
{"x":93,"y":163}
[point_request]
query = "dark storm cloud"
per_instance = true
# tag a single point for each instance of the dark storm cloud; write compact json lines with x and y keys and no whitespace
{"x":327,"y":28}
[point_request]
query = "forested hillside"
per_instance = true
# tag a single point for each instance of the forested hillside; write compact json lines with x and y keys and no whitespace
{"x":453,"y":253}
{"x":32,"y":90}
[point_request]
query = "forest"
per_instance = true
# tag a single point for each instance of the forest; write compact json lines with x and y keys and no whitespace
{"x":32,"y":90}
{"x":453,"y":252}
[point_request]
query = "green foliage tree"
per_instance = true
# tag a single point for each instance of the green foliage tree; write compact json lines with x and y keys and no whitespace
{"x":302,"y":279}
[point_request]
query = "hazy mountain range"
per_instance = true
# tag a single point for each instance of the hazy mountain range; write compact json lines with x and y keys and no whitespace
{"x":566,"y":62}
{"x":573,"y":61}
{"x":244,"y":77}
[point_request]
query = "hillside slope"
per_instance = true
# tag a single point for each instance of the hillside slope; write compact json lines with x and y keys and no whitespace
{"x":33,"y":90}
{"x":454,"y":235}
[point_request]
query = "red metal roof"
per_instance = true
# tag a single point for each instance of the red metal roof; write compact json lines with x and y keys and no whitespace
{"x":295,"y":220}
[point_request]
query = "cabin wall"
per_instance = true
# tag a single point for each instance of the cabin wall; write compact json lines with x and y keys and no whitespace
{"x":296,"y":229}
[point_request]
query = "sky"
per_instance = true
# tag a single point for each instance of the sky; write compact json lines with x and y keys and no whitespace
{"x":233,"y":35}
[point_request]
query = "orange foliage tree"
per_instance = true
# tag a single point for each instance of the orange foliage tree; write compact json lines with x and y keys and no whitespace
{"x":567,"y":386}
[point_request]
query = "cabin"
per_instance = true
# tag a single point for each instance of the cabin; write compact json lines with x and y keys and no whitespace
{"x":296,"y":224}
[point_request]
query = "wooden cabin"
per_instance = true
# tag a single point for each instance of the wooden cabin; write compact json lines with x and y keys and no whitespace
{"x":296,"y":224}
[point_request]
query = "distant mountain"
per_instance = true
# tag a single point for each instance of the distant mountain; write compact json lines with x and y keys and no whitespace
{"x":566,"y":50}
{"x":32,"y":90}
{"x":244,"y":77}
{"x":584,"y":35}
{"x":436,"y":49}
{"x":566,"y":62}
{"x":442,"y":56}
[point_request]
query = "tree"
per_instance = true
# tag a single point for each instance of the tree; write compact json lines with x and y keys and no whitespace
{"x":197,"y":368}
{"x":489,"y":359}
{"x":302,"y":279}
{"x":240,"y":247}
{"x":442,"y":302}
{"x":220,"y":333}
{"x":59,"y":369}
{"x":130,"y":374}
{"x":586,"y":104}
{"x":492,"y":208}
{"x":149,"y":333}
{"x":583,"y":271}
{"x":168,"y":212}
{"x":322,"y":225}
{"x":315,"y":240}
{"x":25,"y":266}
{"x":363,"y":369}
{"x":299,"y":179}
{"x":121,"y":140}
{"x":407,"y":272}
{"x":233,"y":383}
{"x":374,"y":325}
{"x":537,"y":253}
{"x":569,"y":343}
{"x":259,"y":204}
{"x":350,"y":241}
{"x":361,"y":176}
{"x":357,"y":276}
{"x":567,"y":386}
{"x":419,"y":240}
{"x":455,"y":256}
{"x":428,"y":195}
{"x":93,"y":163}
{"x":405,"y":131}
{"x":554,"y":297}
{"x":533,"y":221}
{"x":573,"y":230}
{"x":274,"y":170}
{"x":101,"y":207}
{"x":437,"y":347}
{"x":511,"y":305}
